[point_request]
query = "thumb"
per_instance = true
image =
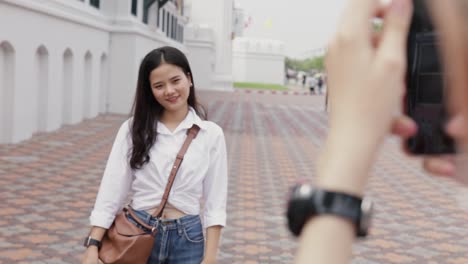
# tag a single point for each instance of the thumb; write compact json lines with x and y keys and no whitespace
{"x":396,"y":26}
{"x":404,"y":127}
{"x":457,"y":126}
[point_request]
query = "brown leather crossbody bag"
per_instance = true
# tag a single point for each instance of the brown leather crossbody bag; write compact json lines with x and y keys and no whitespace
{"x":126,"y":243}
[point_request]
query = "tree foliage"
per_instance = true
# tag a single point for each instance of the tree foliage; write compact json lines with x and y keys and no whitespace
{"x":306,"y":65}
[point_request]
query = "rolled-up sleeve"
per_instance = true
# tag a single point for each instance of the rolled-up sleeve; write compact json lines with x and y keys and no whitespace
{"x":215,"y":183}
{"x":116,"y":181}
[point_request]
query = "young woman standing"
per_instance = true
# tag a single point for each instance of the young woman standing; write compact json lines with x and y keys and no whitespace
{"x":141,"y":160}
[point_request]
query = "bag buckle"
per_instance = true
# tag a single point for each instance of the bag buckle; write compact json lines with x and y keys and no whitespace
{"x":154,"y":229}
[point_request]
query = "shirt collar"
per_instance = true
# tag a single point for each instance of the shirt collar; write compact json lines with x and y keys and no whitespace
{"x":191,"y":119}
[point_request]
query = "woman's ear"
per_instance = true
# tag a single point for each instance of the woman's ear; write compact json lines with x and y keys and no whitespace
{"x":189,"y":76}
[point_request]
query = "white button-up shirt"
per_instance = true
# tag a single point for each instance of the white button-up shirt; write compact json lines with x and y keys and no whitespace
{"x":202,"y":175}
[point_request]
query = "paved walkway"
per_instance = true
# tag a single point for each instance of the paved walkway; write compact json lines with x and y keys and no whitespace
{"x":48,"y":185}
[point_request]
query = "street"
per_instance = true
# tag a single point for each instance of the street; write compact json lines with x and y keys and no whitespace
{"x":48,"y":185}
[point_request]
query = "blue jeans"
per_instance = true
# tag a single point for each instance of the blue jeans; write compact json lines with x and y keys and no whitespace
{"x":178,"y":241}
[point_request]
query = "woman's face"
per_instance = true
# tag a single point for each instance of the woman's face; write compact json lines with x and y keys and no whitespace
{"x":170,"y":87}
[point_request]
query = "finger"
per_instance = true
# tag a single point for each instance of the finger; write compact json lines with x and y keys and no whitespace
{"x":376,"y":36}
{"x":440,"y":166}
{"x":404,"y":127}
{"x":457,"y":126}
{"x":377,"y":23}
{"x":356,"y":17}
{"x":392,"y":50}
{"x":383,"y":8}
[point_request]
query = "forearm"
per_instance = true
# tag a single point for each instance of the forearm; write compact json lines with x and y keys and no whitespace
{"x":344,"y":166}
{"x":97,"y":232}
{"x":213,"y":234}
{"x":367,"y":90}
{"x":346,"y":159}
{"x":326,"y":240}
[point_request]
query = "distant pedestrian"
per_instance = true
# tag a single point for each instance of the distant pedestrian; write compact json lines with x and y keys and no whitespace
{"x":304,"y":78}
{"x":312,"y":84}
{"x":319,"y":84}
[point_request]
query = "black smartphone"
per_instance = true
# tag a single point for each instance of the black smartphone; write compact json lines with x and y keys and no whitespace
{"x":425,"y":99}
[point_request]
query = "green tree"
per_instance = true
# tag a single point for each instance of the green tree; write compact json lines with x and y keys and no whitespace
{"x":315,"y":63}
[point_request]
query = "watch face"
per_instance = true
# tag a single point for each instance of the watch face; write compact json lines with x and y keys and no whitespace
{"x":299,"y":208}
{"x":367,"y":208}
{"x":306,"y":202}
{"x":89,"y":241}
{"x":86,"y":242}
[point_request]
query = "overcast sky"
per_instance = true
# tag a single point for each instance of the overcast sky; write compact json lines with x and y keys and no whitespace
{"x":302,"y":25}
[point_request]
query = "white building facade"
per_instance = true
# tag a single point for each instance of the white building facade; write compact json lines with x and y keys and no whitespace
{"x":63,"y":61}
{"x":215,"y":16}
{"x":258,"y":61}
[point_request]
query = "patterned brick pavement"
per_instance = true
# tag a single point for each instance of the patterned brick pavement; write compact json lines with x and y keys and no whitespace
{"x":48,"y":185}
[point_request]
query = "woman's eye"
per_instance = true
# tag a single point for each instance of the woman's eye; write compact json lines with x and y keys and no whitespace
{"x":159,"y":87}
{"x":176,"y":81}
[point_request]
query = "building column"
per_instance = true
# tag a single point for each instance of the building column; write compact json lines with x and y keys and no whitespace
{"x":219,"y":11}
{"x":116,"y":8}
{"x":140,"y":10}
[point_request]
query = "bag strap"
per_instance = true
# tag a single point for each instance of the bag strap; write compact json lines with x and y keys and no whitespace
{"x":191,"y":134}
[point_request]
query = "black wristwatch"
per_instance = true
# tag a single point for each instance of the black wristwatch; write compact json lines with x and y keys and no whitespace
{"x":306,"y":202}
{"x":89,"y":241}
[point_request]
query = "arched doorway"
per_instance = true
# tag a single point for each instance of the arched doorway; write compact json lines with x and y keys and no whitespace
{"x":7,"y":86}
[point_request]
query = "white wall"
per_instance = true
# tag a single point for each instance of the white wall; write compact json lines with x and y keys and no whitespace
{"x":64,"y":61}
{"x":258,"y":61}
{"x":200,"y":43}
{"x":258,"y":68}
{"x":41,"y":112}
{"x":124,"y":69}
{"x":67,"y":81}
{"x":219,"y":17}
{"x":68,"y":61}
{"x":103,"y":81}
{"x":7,"y":86}
{"x":40,"y":37}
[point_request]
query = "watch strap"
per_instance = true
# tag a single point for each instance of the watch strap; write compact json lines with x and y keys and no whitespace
{"x":307,"y":202}
{"x":340,"y":204}
{"x":89,"y":241}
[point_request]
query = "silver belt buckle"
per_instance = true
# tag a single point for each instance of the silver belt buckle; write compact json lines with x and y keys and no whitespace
{"x":155,"y":227}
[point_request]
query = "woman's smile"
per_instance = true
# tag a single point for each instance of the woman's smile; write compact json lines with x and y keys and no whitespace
{"x":172,"y":99}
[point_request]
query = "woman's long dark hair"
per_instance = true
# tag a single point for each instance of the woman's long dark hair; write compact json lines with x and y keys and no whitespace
{"x":146,"y":110}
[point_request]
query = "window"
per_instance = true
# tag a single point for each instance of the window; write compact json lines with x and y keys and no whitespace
{"x":95,"y":3}
{"x":159,"y":18}
{"x":164,"y":20}
{"x":134,"y":7}
{"x":179,"y":29}
{"x":181,"y":8}
{"x":181,"y":38}
{"x":168,"y":21}
{"x":174,"y":27}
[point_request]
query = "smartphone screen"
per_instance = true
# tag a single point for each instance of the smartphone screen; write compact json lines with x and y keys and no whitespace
{"x":426,"y":87}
